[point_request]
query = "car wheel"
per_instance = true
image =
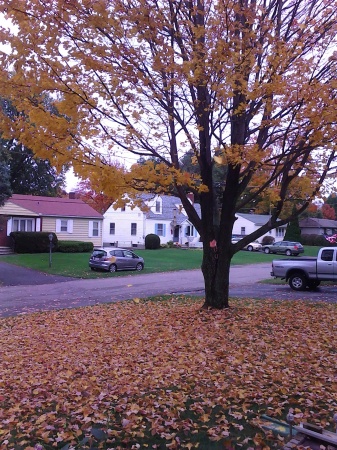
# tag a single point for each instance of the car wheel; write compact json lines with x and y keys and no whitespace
{"x":113,"y":268}
{"x":139,"y":266}
{"x":298,"y":282}
{"x":267,"y":250}
{"x":288,"y":252}
{"x":313,"y":284}
{"x":250,"y":248}
{"x":93,"y":268}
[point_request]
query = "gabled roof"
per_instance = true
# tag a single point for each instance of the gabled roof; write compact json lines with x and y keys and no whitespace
{"x":257,"y":219}
{"x":312,"y":222}
{"x":168,"y":204}
{"x":55,"y":206}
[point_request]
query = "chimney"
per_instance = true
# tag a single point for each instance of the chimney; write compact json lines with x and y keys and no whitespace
{"x":190,"y":196}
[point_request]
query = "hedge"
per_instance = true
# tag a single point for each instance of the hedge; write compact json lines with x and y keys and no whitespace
{"x":33,"y":241}
{"x":75,"y":246}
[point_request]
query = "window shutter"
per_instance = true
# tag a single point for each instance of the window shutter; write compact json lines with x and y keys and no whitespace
{"x":90,"y":228}
{"x":58,"y":225}
{"x":164,"y":229}
{"x":156,"y":228}
{"x":70,"y":226}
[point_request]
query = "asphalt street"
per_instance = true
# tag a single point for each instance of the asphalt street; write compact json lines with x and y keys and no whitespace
{"x":41,"y":292}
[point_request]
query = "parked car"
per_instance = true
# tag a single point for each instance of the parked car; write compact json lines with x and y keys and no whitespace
{"x":113,"y":259}
{"x":284,"y":247}
{"x":236,"y":238}
{"x":253,"y":246}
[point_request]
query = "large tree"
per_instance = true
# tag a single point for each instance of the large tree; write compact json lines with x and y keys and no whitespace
{"x":27,"y":173}
{"x":5,"y":185}
{"x":250,"y":85}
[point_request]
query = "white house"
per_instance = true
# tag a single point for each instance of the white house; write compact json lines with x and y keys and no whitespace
{"x":164,"y":216}
{"x":247,"y":223}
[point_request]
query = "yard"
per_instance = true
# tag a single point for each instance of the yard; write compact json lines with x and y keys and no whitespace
{"x":164,"y":374}
{"x":162,"y":260}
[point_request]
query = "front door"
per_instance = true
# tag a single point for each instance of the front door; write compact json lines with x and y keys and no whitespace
{"x":176,"y":234}
{"x":5,"y":240}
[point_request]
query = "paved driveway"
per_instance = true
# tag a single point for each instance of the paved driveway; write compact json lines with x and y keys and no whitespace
{"x":61,"y":292}
{"x":11,"y":275}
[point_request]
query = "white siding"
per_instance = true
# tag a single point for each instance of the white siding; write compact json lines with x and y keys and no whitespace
{"x":123,"y":221}
{"x":250,"y":226}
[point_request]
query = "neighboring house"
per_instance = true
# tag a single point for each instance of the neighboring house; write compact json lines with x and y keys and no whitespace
{"x":247,"y":223}
{"x":162,"y":215}
{"x":312,"y":225}
{"x":70,"y":219}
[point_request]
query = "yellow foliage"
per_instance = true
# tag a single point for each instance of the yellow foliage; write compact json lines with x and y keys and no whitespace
{"x":224,"y":80}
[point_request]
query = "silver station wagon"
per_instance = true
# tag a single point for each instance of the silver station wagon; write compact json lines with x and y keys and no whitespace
{"x":113,"y":259}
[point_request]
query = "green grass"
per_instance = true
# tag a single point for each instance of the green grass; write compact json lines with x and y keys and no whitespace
{"x":162,"y":260}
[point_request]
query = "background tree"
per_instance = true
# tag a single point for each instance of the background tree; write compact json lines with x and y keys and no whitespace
{"x":249,"y":85}
{"x":312,"y":211}
{"x":28,"y":174}
{"x":332,"y":201}
{"x":328,"y":212}
{"x":90,"y":195}
{"x":293,"y":232}
{"x":5,"y":186}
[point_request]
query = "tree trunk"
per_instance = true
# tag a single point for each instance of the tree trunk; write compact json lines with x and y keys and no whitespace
{"x":215,"y":268}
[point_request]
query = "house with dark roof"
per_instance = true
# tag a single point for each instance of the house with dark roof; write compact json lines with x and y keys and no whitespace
{"x":163,"y":215}
{"x":69,"y":218}
{"x":312,"y":225}
{"x":247,"y":223}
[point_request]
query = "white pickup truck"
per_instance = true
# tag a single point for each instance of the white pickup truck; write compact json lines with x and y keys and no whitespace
{"x":307,"y":271}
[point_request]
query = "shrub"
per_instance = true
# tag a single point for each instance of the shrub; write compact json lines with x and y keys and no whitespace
{"x":75,"y":246}
{"x":33,"y":241}
{"x":152,"y":242}
{"x":316,"y":240}
{"x":268,"y":240}
{"x":320,"y":241}
{"x":308,"y":239}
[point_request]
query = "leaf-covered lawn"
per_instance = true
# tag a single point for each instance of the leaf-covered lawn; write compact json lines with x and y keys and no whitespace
{"x":165,"y":374}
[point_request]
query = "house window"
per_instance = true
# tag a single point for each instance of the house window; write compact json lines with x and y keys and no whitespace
{"x":95,"y":229}
{"x":160,"y":229}
{"x":22,"y":225}
{"x":64,"y":226}
{"x":158,"y":206}
{"x":280,"y":232}
{"x":112,"y":228}
{"x":243,"y":231}
{"x":133,"y":229}
{"x":190,"y":231}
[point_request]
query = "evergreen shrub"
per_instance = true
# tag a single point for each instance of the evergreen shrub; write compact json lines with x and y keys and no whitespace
{"x":33,"y":241}
{"x":75,"y":246}
{"x":152,"y":242}
{"x":315,"y":240}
